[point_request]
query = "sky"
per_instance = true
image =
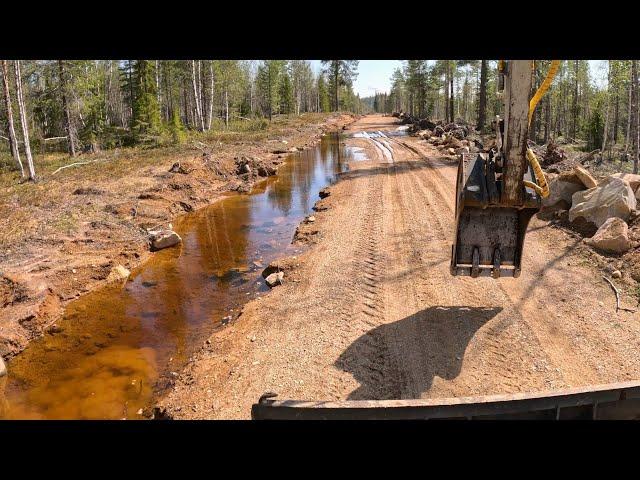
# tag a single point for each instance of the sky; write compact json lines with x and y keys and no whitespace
{"x":376,"y":74}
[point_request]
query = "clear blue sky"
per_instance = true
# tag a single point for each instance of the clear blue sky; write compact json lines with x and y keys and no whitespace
{"x":375,"y":74}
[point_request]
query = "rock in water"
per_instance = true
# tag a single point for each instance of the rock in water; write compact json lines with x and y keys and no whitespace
{"x":615,"y":198}
{"x":275,"y":279}
{"x":164,"y":239}
{"x":612,"y":236}
{"x":585,"y":177}
{"x":118,"y":273}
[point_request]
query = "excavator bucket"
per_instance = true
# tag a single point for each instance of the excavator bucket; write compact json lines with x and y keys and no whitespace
{"x":489,"y":234}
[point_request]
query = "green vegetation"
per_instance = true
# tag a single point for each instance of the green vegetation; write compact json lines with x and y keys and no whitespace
{"x":86,"y":106}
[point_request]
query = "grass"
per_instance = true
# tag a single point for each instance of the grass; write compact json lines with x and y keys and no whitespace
{"x":36,"y":209}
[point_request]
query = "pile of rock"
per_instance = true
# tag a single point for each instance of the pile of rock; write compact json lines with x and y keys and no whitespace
{"x":254,"y":166}
{"x":605,"y":205}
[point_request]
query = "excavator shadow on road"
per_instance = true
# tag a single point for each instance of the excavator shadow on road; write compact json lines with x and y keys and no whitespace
{"x":433,"y":340}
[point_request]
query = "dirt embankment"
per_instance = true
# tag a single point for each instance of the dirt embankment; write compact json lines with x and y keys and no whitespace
{"x":371,"y":311}
{"x":63,"y":236}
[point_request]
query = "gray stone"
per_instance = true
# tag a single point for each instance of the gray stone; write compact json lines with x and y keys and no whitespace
{"x":275,"y":279}
{"x":612,"y":236}
{"x":585,"y":177}
{"x":634,"y":180}
{"x":164,"y":239}
{"x":560,"y":192}
{"x":614,"y":198}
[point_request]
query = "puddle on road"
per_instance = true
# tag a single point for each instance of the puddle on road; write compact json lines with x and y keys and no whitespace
{"x":120,"y":345}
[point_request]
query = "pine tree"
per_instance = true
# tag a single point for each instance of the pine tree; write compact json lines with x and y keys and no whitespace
{"x":324,"y":104}
{"x":146,"y":114}
{"x":286,"y":94}
{"x":340,"y":73}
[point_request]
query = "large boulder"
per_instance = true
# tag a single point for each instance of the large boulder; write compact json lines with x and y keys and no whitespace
{"x":561,"y":190}
{"x":585,"y":177}
{"x":614,"y":198}
{"x":612,"y":236}
{"x":163,"y":239}
{"x":634,"y":180}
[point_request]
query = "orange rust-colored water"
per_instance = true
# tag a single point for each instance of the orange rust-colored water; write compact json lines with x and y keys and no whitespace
{"x":120,"y":345}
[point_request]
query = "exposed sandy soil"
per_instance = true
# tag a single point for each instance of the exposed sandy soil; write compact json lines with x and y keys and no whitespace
{"x":61,"y":237}
{"x":371,"y":311}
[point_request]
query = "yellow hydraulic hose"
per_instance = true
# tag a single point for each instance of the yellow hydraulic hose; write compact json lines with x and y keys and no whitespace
{"x":543,"y":188}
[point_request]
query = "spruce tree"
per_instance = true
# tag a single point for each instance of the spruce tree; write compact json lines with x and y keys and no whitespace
{"x":286,"y":94}
{"x":145,"y":110}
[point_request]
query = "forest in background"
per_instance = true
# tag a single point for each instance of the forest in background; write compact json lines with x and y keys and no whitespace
{"x":85,"y":106}
{"x":92,"y":105}
{"x":575,"y":110}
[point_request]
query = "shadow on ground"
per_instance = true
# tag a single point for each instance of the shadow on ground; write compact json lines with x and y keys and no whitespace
{"x":400,"y":359}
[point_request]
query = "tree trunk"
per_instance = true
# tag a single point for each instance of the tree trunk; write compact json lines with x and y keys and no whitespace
{"x":634,"y":131}
{"x":196,"y":96}
{"x":23,"y":121}
{"x":71,"y":140}
{"x":13,"y":141}
{"x":616,"y":118}
{"x":574,"y":109}
{"x":482,"y":110}
{"x":226,"y":107}
{"x":629,"y":114}
{"x":336,"y":76}
{"x":547,"y":118}
{"x":605,"y":136}
{"x":210,"y":115}
{"x":516,"y":95}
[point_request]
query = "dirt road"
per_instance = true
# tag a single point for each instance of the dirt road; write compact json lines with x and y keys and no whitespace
{"x":371,"y":311}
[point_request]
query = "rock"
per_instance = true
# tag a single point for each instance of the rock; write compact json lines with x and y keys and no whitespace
{"x":438,"y":130}
{"x":612,"y":236}
{"x":184,"y":168}
{"x":585,"y":177}
{"x":616,"y":274}
{"x":451,"y":151}
{"x":595,"y":205}
{"x":459,"y":133}
{"x":266,"y":170}
{"x":634,"y":180}
{"x":453,"y":142}
{"x":164,"y":239}
{"x":324,"y":193}
{"x":118,"y":273}
{"x":275,"y":279}
{"x":462,"y":150}
{"x":560,"y":191}
{"x":311,"y":219}
{"x":3,"y":368}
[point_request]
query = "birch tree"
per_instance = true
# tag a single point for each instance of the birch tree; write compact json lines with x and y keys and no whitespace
{"x":13,"y":141}
{"x":23,"y":121}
